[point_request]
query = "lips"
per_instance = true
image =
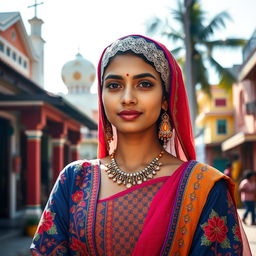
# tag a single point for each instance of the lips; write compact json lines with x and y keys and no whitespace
{"x":129,"y":115}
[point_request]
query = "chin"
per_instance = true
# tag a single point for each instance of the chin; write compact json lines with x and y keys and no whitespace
{"x":133,"y":129}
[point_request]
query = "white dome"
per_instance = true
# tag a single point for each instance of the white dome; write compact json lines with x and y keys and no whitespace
{"x":78,"y":75}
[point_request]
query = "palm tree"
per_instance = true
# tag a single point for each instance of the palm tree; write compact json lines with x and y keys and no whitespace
{"x":195,"y":37}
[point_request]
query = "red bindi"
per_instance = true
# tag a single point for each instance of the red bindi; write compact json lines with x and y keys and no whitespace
{"x":127,"y":74}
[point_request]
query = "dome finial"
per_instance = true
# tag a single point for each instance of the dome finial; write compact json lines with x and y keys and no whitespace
{"x":78,"y":74}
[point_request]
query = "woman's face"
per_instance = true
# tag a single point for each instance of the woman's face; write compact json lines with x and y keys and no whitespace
{"x":132,"y":94}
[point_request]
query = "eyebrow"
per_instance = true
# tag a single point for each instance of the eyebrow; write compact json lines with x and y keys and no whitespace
{"x":143,"y":75}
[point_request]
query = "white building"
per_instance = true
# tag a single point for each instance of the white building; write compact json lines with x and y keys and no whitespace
{"x":79,"y":75}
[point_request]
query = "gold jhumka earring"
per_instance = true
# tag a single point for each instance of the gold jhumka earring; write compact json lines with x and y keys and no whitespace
{"x":109,"y":134}
{"x":165,"y":129}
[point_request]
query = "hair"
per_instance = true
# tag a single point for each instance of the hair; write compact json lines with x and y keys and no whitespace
{"x":249,"y":174}
{"x":228,"y":165}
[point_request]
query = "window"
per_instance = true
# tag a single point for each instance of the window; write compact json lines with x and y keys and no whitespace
{"x":8,"y":51}
{"x":13,"y":35}
{"x":221,"y":102}
{"x":20,"y":60}
{"x":14,"y":56}
{"x":24,"y":64}
{"x":1,"y":46}
{"x":221,"y":126}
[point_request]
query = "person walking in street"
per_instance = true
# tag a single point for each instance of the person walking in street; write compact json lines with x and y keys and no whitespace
{"x":247,"y":189}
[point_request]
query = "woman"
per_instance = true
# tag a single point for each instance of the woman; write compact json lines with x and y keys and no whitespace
{"x":247,"y":189}
{"x":138,"y":199}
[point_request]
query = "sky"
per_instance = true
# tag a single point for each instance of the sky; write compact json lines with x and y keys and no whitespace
{"x":89,"y":26}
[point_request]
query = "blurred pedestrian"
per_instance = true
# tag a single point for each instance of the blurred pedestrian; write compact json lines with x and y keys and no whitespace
{"x":248,"y":194}
{"x":228,"y":170}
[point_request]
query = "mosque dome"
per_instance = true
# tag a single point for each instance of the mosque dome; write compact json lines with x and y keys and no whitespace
{"x":78,"y":75}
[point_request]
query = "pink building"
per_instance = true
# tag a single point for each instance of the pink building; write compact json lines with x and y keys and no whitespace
{"x":243,"y":142}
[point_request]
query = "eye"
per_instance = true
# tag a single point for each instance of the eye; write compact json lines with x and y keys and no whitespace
{"x":145,"y":84}
{"x":113,"y":85}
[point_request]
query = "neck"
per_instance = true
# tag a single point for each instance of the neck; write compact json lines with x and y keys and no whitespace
{"x":136,"y":151}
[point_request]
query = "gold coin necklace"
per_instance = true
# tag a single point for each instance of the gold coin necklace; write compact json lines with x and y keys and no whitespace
{"x":130,"y":179}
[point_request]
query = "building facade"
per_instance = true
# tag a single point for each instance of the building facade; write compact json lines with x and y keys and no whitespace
{"x":39,"y":131}
{"x":243,"y":141}
{"x":215,"y":120}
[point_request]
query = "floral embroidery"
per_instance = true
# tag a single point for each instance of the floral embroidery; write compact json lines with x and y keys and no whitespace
{"x":215,"y":231}
{"x":78,"y":196}
{"x":62,"y":178}
{"x":86,"y":164}
{"x":47,"y":223}
{"x":78,"y":246}
{"x":237,"y":233}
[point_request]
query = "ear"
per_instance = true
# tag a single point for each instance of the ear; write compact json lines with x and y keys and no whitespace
{"x":164,"y":104}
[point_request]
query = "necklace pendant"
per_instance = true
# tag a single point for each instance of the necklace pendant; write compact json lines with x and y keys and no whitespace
{"x":150,"y":176}
{"x":128,"y":185}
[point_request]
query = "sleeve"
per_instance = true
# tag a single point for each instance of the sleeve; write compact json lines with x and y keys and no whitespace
{"x":218,"y":231}
{"x":51,"y":237}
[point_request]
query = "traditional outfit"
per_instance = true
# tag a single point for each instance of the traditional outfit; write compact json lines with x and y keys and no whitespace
{"x":191,"y":212}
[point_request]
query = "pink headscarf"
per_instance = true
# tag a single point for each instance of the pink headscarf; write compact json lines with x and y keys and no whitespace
{"x":182,"y":142}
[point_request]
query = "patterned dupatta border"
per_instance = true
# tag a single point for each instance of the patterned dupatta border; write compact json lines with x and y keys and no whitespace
{"x":191,"y":197}
{"x":94,"y":177}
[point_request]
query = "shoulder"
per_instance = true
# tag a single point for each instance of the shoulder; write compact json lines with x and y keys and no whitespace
{"x":243,"y":182}
{"x":208,"y":174}
{"x":206,"y":169}
{"x":79,"y":167}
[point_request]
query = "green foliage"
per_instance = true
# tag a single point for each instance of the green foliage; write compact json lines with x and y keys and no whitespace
{"x":201,"y":33}
{"x":225,"y":244}
{"x":205,"y":241}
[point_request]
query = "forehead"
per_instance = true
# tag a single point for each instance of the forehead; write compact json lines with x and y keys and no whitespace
{"x":129,"y":63}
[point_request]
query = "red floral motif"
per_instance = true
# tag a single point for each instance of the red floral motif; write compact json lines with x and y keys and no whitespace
{"x":43,"y":249}
{"x":78,"y":196}
{"x":62,"y":178}
{"x":46,"y":222}
{"x":82,"y":204}
{"x":78,"y":246}
{"x":86,"y":164}
{"x":237,"y":233}
{"x":216,"y":230}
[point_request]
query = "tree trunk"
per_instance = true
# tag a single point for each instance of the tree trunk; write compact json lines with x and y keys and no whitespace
{"x":189,"y":79}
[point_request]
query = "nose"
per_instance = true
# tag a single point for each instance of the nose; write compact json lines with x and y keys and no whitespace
{"x":129,"y":96}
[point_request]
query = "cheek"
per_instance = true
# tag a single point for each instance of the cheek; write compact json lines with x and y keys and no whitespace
{"x":152,"y":105}
{"x":108,"y":105}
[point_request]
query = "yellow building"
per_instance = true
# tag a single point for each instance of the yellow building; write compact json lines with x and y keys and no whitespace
{"x":216,"y":119}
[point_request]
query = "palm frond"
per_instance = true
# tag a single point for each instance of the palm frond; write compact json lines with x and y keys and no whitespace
{"x":176,"y":51}
{"x":226,"y":77}
{"x":178,"y":14}
{"x":216,"y":23}
{"x":230,"y":43}
{"x":173,"y":35}
{"x":153,"y":25}
{"x":201,"y":74}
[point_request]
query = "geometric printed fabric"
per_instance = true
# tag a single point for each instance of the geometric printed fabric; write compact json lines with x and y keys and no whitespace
{"x":119,"y":219}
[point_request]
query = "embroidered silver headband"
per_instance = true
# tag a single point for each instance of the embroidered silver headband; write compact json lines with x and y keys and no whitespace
{"x":140,"y":46}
